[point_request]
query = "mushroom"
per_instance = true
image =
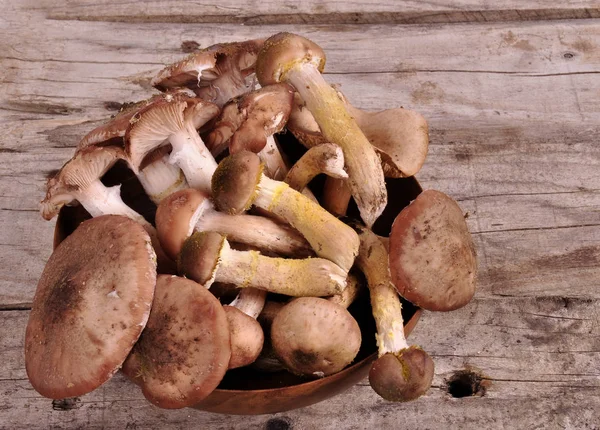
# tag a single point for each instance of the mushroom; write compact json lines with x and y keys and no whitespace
{"x":239,"y":183}
{"x":401,"y":372}
{"x":79,"y":179}
{"x":174,"y":118}
{"x":157,"y":176}
{"x":314,"y":336}
{"x":432,"y":256}
{"x":247,"y":336}
{"x":186,"y":211}
{"x":91,"y":304}
{"x":184,"y":350}
{"x":216,"y":74}
{"x":290,"y":58}
{"x":206,"y":257}
{"x":327,"y":158}
{"x":336,"y":196}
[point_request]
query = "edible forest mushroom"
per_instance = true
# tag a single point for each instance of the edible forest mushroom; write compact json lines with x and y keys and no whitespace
{"x":327,"y":158}
{"x":432,"y":255}
{"x":91,"y":304}
{"x":239,"y":183}
{"x":206,"y":257}
{"x":157,"y":176}
{"x":401,"y":372}
{"x":174,"y":119}
{"x":247,"y":336}
{"x":314,"y":336}
{"x":216,"y":74}
{"x":186,"y":211}
{"x":290,"y":58}
{"x":79,"y":179}
{"x":184,"y":350}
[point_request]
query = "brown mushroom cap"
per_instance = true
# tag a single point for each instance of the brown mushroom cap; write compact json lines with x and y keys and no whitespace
{"x":91,"y":304}
{"x":403,"y":376}
{"x":432,"y":255}
{"x":199,"y":256}
{"x":184,"y":350}
{"x":174,"y":217}
{"x":236,"y":196}
{"x":247,"y":337}
{"x":283,"y":50}
{"x":313,"y":336}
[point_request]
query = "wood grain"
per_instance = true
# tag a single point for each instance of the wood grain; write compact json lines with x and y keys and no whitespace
{"x":512,"y":95}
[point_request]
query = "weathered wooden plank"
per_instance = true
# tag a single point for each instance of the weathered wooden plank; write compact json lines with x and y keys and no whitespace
{"x":314,"y":11}
{"x":538,"y":359}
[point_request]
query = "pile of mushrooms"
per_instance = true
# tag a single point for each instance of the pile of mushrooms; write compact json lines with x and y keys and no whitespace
{"x":146,"y":295}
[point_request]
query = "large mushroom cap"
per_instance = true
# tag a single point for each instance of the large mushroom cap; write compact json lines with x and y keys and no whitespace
{"x":432,"y":256}
{"x":280,"y":51}
{"x":313,"y":336}
{"x":184,"y":350}
{"x":91,"y":304}
{"x":199,"y":256}
{"x":175,"y":218}
{"x":235,"y":181}
{"x":403,"y":376}
{"x":88,"y":165}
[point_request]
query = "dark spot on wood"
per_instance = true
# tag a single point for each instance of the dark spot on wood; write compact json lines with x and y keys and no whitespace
{"x":51,"y":173}
{"x":66,"y":404}
{"x":116,"y":106}
{"x":466,"y":383}
{"x":568,"y":55}
{"x":462,"y":156}
{"x":304,"y":358}
{"x":189,"y":46}
{"x":10,"y":151}
{"x":282,"y":423}
{"x":68,"y":136}
{"x":39,"y":107}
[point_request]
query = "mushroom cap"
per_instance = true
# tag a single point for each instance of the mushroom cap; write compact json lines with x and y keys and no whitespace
{"x":91,"y":304}
{"x":403,"y":376}
{"x":176,"y":216}
{"x":432,"y":255}
{"x":201,"y":71}
{"x":235,"y":181}
{"x":87,"y":165}
{"x":313,"y":336}
{"x":247,"y":337}
{"x":184,"y":350}
{"x":258,"y":115}
{"x":199,"y":257}
{"x":152,"y":125}
{"x":283,"y":50}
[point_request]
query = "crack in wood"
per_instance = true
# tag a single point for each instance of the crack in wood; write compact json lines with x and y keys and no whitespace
{"x":15,"y":307}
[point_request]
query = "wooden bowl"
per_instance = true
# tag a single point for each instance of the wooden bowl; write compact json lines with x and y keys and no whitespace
{"x":246,"y":391}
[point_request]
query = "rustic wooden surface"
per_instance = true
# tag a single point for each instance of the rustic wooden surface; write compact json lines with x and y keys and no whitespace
{"x":512,"y":93}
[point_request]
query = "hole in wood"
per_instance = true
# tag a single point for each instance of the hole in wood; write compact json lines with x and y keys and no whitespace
{"x":466,"y":383}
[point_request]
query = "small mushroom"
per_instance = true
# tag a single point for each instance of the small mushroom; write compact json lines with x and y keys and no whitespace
{"x":238,"y":183}
{"x":91,"y":304}
{"x":327,"y":158}
{"x":186,"y":211}
{"x":247,"y":336}
{"x":184,"y":350}
{"x":432,"y":255}
{"x":401,"y":372}
{"x":174,"y":119}
{"x":157,"y":176}
{"x":79,"y":179}
{"x":315,"y":337}
{"x":290,"y":58}
{"x":206,"y":257}
{"x":216,"y":74}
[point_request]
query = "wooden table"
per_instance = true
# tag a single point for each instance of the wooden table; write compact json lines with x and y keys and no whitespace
{"x":511,"y":90}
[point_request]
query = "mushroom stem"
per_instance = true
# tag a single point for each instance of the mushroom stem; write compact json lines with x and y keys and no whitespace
{"x":250,"y":301}
{"x":327,"y":158}
{"x":401,"y":372}
{"x":328,"y":236}
{"x":275,"y":166}
{"x":292,"y":277}
{"x":161,"y":179}
{"x":336,"y":196}
{"x":192,"y":156}
{"x":366,"y":180}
